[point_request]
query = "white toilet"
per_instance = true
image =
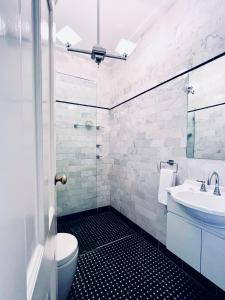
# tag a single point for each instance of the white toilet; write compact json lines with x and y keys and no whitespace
{"x":66,"y":257}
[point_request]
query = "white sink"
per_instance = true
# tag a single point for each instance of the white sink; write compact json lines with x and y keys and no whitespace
{"x":204,"y":206}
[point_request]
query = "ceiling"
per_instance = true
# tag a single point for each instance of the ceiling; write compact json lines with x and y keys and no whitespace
{"x":118,"y":19}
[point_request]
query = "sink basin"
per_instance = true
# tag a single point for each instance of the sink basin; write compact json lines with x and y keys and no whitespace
{"x":205,"y":206}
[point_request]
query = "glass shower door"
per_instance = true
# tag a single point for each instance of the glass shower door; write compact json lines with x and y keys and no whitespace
{"x":76,"y":129}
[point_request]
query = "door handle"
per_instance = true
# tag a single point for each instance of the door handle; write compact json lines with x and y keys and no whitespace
{"x":62,"y":179}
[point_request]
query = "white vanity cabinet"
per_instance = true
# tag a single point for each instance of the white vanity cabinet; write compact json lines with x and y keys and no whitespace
{"x":213,"y":258}
{"x":184,"y":240}
{"x":199,"y":245}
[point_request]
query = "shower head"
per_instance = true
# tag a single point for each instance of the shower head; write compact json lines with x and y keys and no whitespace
{"x":98,"y":54}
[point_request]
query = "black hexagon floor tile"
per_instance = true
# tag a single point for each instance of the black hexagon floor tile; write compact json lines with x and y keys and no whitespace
{"x":96,"y":230}
{"x":117,"y":263}
{"x":119,"y":271}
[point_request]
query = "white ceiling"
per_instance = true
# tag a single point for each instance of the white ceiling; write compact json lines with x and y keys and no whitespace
{"x":118,"y":19}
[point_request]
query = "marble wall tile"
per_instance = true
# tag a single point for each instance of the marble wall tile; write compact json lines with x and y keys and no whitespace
{"x":189,"y":33}
{"x":104,"y":164}
{"x":88,"y":178}
{"x":139,"y":141}
{"x":76,"y":157}
{"x":75,"y":89}
{"x":153,"y":126}
{"x":75,"y":65}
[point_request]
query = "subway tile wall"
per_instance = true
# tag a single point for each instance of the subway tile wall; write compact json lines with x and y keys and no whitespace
{"x":145,"y":131}
{"x":184,"y":35}
{"x":76,"y":157}
{"x":88,"y":178}
{"x":153,"y":126}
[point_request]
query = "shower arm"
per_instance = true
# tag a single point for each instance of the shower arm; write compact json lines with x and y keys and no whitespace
{"x":124,"y":57}
{"x":78,"y":50}
{"x":109,"y":55}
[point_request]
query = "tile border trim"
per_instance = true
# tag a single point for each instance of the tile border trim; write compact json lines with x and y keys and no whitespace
{"x":80,"y":104}
{"x":150,"y":89}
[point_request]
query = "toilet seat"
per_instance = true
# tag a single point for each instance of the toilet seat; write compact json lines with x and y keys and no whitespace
{"x":66,"y":248}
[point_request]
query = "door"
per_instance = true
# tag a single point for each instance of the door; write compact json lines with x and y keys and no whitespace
{"x":45,"y":283}
{"x":27,"y":159}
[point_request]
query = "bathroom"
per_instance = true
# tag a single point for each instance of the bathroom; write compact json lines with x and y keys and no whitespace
{"x":112,"y":113}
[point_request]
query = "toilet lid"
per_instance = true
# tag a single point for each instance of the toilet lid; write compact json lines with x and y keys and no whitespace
{"x":66,"y":247}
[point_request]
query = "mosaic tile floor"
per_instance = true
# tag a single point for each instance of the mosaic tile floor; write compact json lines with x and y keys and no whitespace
{"x":117,"y":263}
{"x":97,"y":230}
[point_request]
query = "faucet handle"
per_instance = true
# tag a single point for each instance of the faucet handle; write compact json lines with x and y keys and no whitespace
{"x":203,"y":186}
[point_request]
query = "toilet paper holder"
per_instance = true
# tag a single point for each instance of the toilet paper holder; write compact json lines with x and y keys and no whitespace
{"x":171,"y":163}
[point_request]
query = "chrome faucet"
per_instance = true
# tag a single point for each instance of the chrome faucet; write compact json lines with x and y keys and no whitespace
{"x":217,"y":183}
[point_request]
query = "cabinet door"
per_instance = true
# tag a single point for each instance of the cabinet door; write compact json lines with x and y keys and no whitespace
{"x":213,"y":262}
{"x":184,"y":240}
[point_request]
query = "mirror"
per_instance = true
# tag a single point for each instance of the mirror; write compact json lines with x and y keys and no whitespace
{"x":206,"y":111}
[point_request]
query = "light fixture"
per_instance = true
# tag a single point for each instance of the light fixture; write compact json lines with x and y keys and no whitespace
{"x":125,"y":46}
{"x":98,"y":53}
{"x":67,"y":35}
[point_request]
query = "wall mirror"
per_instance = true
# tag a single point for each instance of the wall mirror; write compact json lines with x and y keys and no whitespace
{"x":206,"y":111}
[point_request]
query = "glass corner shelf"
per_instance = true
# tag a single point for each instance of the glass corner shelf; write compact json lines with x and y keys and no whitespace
{"x":87,"y":126}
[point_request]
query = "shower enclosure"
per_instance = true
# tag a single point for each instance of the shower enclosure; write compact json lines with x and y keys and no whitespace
{"x":76,"y":143}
